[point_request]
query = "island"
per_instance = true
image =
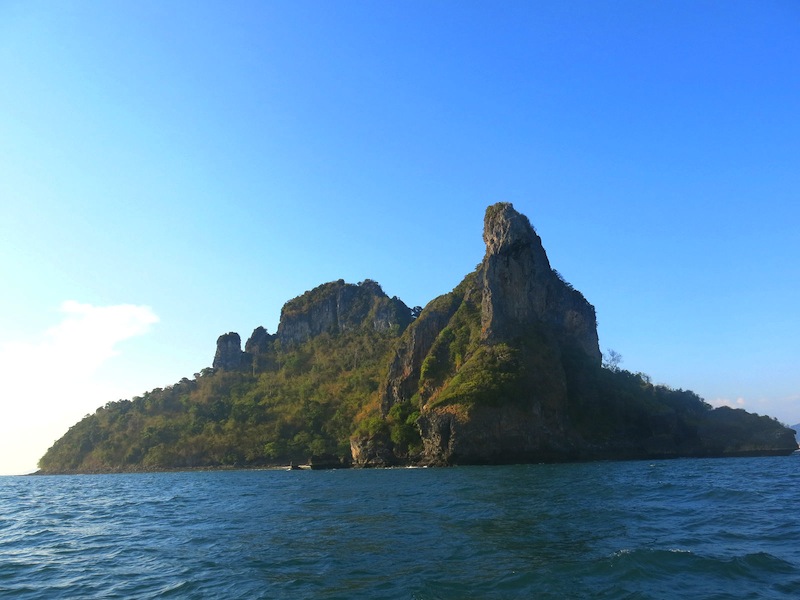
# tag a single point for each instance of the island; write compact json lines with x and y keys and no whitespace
{"x":505,"y":368}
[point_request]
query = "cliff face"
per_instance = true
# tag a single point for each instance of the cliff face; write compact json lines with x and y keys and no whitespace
{"x":415,"y":345}
{"x":484,"y":363}
{"x":229,"y":352}
{"x":507,"y":368}
{"x":334,"y":307}
{"x":259,"y":341}
{"x":520,"y":288}
{"x":338,"y":307}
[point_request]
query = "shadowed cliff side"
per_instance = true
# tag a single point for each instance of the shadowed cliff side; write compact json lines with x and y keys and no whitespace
{"x":482,"y":365}
{"x":520,"y":289}
{"x":507,"y":368}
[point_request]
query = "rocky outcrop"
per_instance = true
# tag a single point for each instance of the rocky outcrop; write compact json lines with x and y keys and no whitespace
{"x":494,"y":435}
{"x":734,"y":432}
{"x":484,"y":362}
{"x":515,"y":288}
{"x":337,"y":307}
{"x":229,"y":355}
{"x":404,"y":370}
{"x":334,"y":307}
{"x":259,"y":342}
{"x":520,"y":287}
{"x":507,"y":368}
{"x":372,"y":451}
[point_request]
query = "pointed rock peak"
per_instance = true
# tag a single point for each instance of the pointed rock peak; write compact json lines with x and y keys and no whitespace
{"x":505,"y":229}
{"x":259,"y":342}
{"x":229,"y":352}
{"x":520,"y":288}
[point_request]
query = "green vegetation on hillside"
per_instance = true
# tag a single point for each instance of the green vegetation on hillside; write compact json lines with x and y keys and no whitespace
{"x":306,"y":402}
{"x":620,"y":412}
{"x":462,"y":368}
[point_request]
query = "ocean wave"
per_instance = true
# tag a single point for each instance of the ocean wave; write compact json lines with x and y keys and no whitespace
{"x":602,"y":530}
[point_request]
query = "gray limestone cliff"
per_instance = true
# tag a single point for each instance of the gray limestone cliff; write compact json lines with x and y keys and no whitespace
{"x":507,"y":368}
{"x":512,"y":290}
{"x":485,"y":363}
{"x":229,"y":352}
{"x":520,"y":287}
{"x":259,"y":341}
{"x":337,"y":307}
{"x":333,"y":307}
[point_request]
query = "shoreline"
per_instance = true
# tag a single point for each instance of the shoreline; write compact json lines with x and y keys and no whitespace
{"x":311,"y":467}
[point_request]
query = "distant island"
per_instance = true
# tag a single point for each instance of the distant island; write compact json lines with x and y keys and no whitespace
{"x":506,"y":368}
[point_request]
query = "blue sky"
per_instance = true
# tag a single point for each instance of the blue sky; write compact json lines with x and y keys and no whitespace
{"x":170,"y":171}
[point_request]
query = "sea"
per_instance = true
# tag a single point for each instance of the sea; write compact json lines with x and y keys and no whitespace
{"x":688,"y":528}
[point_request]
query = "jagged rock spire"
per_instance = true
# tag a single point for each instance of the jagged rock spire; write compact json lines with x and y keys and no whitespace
{"x":520,"y":288}
{"x":229,"y":352}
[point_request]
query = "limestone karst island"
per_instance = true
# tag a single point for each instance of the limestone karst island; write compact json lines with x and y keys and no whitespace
{"x":505,"y":368}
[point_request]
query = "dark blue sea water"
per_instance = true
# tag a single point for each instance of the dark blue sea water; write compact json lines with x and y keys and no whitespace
{"x":724,"y":528}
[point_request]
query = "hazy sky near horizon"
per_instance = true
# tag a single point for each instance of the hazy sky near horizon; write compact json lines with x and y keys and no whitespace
{"x":171,"y":171}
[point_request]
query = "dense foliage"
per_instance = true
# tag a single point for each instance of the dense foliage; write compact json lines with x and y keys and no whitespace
{"x":292,"y":404}
{"x":624,"y":412}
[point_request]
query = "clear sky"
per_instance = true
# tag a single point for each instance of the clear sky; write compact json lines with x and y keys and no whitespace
{"x":171,"y":171}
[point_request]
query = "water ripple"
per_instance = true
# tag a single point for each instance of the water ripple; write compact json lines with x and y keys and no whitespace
{"x":700,"y":528}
